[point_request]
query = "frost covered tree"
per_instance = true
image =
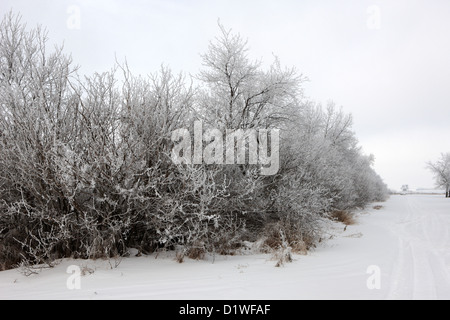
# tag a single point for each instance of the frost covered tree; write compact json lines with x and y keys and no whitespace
{"x":86,"y":168}
{"x":328,"y":153}
{"x":238,"y":92}
{"x":36,"y":120}
{"x":441,"y":171}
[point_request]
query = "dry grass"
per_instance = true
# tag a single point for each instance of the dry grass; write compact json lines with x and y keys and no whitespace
{"x":343,"y":216}
{"x":299,"y":244}
{"x":179,"y":257}
{"x":378,"y":207}
{"x":355,"y":235}
{"x":194,"y":253}
{"x":282,"y":256}
{"x":283,"y":240}
{"x":85,"y":270}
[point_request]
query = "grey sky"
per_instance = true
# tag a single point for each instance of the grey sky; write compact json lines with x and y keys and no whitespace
{"x":394,"y":77}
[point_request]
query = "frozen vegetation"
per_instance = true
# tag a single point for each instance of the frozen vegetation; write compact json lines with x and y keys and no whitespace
{"x":86,"y":169}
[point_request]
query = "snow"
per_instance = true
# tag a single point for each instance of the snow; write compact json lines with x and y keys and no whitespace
{"x":408,"y":239}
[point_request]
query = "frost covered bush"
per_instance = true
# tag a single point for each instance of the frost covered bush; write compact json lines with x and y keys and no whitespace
{"x":86,"y":170}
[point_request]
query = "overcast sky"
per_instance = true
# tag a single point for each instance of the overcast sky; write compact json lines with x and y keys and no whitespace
{"x":386,"y":62}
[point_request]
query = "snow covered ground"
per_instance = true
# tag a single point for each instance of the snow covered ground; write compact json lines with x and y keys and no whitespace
{"x":407,"y":241}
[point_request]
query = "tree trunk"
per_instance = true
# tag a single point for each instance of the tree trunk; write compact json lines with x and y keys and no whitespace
{"x":447,"y":192}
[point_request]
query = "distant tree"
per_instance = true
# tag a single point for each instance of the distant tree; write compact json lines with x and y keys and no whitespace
{"x":441,"y":170}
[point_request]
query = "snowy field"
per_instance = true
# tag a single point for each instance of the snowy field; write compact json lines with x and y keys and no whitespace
{"x":407,"y":241}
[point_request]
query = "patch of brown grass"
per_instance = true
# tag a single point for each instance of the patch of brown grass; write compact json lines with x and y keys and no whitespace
{"x":297,"y":242}
{"x":378,"y":207}
{"x":179,"y":257}
{"x":343,"y":216}
{"x":196,"y":253}
{"x":85,"y":270}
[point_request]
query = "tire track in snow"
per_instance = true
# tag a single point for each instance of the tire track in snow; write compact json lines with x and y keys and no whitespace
{"x":420,"y":270}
